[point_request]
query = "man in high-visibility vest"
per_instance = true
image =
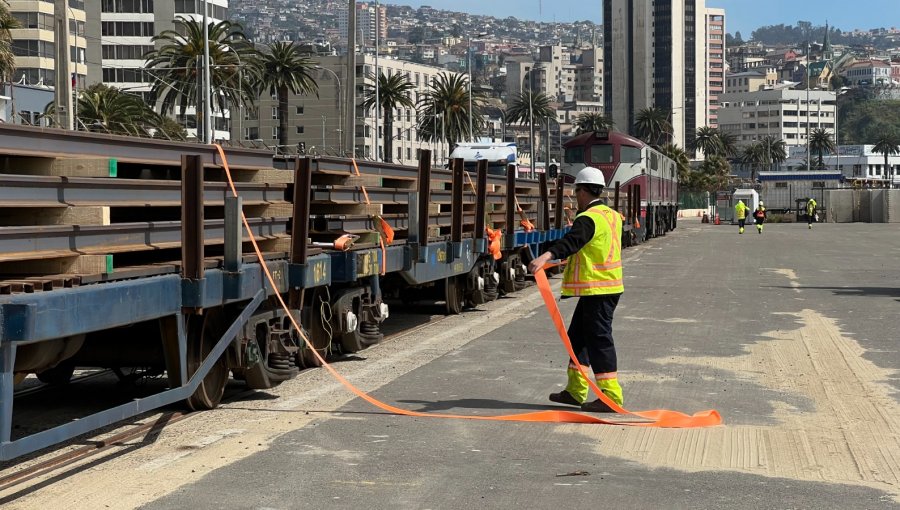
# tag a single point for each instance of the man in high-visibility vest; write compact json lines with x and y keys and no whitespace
{"x":740,"y":212}
{"x":594,"y":274}
{"x":810,"y":211}
{"x":760,"y":216}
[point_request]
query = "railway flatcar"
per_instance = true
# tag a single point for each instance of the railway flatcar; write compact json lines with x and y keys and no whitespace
{"x":637,"y":168}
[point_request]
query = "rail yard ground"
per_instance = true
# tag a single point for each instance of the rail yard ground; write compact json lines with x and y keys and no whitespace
{"x":791,"y":335}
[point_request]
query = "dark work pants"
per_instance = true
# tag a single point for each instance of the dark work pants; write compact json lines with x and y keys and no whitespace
{"x":591,"y":332}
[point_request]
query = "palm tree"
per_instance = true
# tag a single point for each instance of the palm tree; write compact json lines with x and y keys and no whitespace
{"x":753,"y":155}
{"x":444,"y":110}
{"x":682,"y":162}
{"x":728,"y":144}
{"x":532,"y":108}
{"x":774,"y":150}
{"x":393,"y":92}
{"x":707,"y":141}
{"x":652,"y":125}
{"x":592,"y":122}
{"x":888,"y":144}
{"x":284,"y":69}
{"x":820,"y":141}
{"x":175,"y":65}
{"x":7,"y":57}
{"x":718,"y":169}
{"x":108,"y":109}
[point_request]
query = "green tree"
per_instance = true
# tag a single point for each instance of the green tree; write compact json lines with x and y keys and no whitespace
{"x":753,"y":156}
{"x":108,"y":109}
{"x":531,"y":108}
{"x":7,"y":57}
{"x":820,"y":141}
{"x":444,"y":110}
{"x":888,"y":144}
{"x":393,"y":92}
{"x":652,"y":125}
{"x":774,"y":151}
{"x":592,"y":122}
{"x":728,"y":144}
{"x":707,"y":141}
{"x":284,"y":69}
{"x":175,"y":65}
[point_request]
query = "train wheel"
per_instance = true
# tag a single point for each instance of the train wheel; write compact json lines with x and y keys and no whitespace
{"x":203,"y":333}
{"x":455,"y":294}
{"x":58,"y":375}
{"x":320,"y":329}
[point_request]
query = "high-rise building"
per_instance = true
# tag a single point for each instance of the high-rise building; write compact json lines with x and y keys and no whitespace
{"x":34,"y":43}
{"x":655,"y":56}
{"x":565,"y":74}
{"x":119,"y":34}
{"x":367,"y":23}
{"x":715,"y":58}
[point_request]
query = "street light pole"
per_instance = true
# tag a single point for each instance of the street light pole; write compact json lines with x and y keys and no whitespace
{"x":469,"y":71}
{"x":808,"y":152}
{"x":337,"y":80}
{"x":377,"y":79}
{"x":207,"y":106}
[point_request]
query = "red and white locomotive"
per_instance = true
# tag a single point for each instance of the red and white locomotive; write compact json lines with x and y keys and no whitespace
{"x":638,"y":169}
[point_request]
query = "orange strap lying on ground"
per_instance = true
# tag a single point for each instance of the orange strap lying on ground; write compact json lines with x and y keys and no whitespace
{"x":656,"y":418}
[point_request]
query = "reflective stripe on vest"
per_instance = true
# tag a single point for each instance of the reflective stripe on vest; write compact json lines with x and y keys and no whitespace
{"x":597,"y":267}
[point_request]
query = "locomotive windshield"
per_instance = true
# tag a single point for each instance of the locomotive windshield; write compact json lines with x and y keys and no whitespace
{"x":601,"y":154}
{"x":574,"y":154}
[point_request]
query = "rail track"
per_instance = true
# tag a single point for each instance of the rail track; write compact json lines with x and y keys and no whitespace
{"x":57,"y":463}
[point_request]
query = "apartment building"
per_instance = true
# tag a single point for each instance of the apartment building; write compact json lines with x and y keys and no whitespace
{"x":120,"y":33}
{"x":655,"y":56}
{"x":563,"y":73}
{"x":371,"y":20}
{"x":37,"y":48}
{"x":750,"y":81}
{"x":715,"y":58}
{"x":318,"y":122}
{"x":782,"y":112}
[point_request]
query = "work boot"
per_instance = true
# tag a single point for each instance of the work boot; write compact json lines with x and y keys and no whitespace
{"x":564,"y":397}
{"x":741,"y":230}
{"x":576,"y":391}
{"x":810,"y":225}
{"x":597,"y":406}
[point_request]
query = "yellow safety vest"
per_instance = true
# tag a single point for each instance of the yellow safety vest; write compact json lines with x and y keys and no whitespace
{"x":741,"y":210}
{"x":597,"y":267}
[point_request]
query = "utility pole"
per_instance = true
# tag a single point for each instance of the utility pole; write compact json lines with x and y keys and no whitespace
{"x":378,"y":156}
{"x":63,"y":84}
{"x":350,"y":82}
{"x":808,"y":61}
{"x":207,"y":101}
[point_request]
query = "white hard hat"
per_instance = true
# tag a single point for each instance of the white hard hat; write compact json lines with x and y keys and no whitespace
{"x":760,"y":202}
{"x":590,"y":175}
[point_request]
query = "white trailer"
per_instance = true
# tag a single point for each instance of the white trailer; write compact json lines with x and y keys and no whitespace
{"x":789,"y":191}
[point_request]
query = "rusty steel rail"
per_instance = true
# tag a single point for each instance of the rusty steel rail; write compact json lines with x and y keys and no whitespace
{"x":45,"y":191}
{"x":42,"y":142}
{"x":28,"y":243}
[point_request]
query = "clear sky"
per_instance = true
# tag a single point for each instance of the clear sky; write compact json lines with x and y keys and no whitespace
{"x":741,"y":15}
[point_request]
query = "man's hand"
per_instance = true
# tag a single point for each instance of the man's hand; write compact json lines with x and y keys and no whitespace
{"x":539,"y":262}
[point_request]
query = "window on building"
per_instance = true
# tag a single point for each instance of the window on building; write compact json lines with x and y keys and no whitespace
{"x":300,"y":130}
{"x":251,"y":133}
{"x":274,"y":112}
{"x":300,"y":110}
{"x":399,"y":153}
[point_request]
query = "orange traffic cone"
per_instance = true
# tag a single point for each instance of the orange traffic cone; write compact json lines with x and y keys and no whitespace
{"x":717,"y":221}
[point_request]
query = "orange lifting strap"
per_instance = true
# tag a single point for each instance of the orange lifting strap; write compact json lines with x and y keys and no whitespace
{"x":657,"y":418}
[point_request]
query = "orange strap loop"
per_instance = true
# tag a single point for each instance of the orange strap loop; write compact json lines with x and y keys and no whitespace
{"x":657,"y":418}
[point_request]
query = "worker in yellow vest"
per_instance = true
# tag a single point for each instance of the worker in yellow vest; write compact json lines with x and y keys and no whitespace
{"x":740,"y":212}
{"x":810,"y":212}
{"x":594,"y":274}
